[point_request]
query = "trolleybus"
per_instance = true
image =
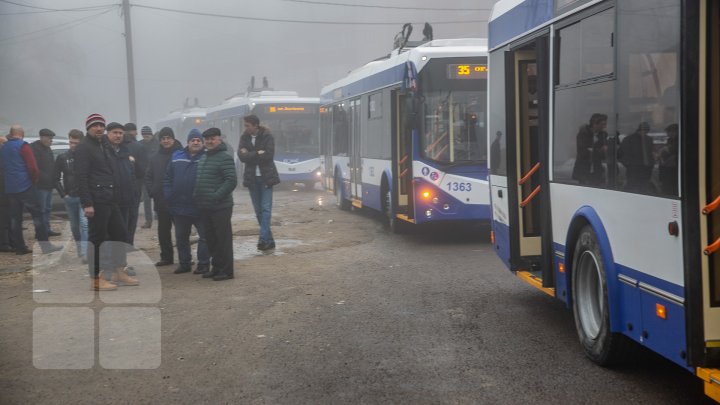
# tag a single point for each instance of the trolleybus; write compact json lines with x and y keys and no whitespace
{"x":293,"y":121}
{"x":605,"y":169}
{"x":405,"y":134}
{"x":183,"y":120}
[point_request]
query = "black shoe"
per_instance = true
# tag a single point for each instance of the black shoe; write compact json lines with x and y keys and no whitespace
{"x":51,"y":248}
{"x":210,"y":274}
{"x":53,"y":233}
{"x":266,"y":246}
{"x":22,"y":251}
{"x":201,"y":269}
{"x":6,"y":249}
{"x":183,"y":269}
{"x":164,"y":263}
{"x":130,"y":270}
{"x":223,"y":276}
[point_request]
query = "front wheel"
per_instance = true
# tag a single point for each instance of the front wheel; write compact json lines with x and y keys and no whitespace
{"x":340,"y":202}
{"x":590,"y":303}
{"x":395,"y":225}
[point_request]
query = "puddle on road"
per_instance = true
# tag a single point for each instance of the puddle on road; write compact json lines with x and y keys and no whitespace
{"x":248,"y":248}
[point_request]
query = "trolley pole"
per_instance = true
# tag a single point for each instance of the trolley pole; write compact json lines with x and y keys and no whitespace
{"x":130,"y":64}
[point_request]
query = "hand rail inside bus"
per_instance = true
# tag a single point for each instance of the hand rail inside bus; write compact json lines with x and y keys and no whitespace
{"x":712,"y":248}
{"x":712,"y":206}
{"x":529,"y":174}
{"x":532,"y":195}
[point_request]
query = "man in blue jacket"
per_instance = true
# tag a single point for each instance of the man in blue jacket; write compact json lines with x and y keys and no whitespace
{"x":178,"y":187}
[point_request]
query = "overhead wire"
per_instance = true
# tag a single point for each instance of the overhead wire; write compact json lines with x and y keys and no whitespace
{"x":62,"y":26}
{"x":88,"y":8}
{"x":320,"y":22}
{"x":328,"y":3}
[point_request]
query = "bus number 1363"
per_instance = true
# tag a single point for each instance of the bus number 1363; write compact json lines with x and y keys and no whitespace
{"x":455,"y":186}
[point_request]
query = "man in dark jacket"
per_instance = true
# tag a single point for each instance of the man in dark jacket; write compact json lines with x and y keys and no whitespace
{"x":21,"y":175}
{"x":179,"y":184}
{"x":46,"y":165}
{"x":150,"y":147}
{"x":154,"y":182}
{"x":216,"y":180}
{"x":257,"y":150}
{"x":140,"y":160}
{"x":66,"y":184}
{"x":98,"y":195}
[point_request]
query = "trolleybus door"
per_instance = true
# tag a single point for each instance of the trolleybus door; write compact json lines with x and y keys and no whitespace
{"x":402,"y":159}
{"x":528,"y":144}
{"x":709,"y":123}
{"x":355,"y":150}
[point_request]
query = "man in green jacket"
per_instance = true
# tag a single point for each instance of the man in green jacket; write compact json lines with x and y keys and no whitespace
{"x":216,"y":180}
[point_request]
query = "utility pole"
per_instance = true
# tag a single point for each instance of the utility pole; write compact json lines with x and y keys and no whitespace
{"x":130,"y":64}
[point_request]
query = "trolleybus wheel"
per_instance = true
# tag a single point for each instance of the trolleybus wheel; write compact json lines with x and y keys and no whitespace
{"x":341,"y":203}
{"x":395,"y":225}
{"x":590,"y":303}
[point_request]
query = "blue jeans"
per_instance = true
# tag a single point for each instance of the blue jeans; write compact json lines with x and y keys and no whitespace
{"x":28,"y":199}
{"x":183,"y":226}
{"x":78,"y":223}
{"x":45,"y":201}
{"x":261,"y":196}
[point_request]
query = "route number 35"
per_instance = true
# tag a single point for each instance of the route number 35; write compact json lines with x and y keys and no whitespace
{"x":456,"y":186}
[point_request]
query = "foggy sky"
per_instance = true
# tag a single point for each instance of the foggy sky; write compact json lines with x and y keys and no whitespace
{"x":54,"y":75}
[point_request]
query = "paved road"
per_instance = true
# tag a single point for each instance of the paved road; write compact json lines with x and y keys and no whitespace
{"x":343,"y":312}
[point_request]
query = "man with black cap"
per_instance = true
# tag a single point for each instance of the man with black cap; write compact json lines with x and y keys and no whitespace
{"x":150,"y":147}
{"x":137,"y":152}
{"x":21,"y":175}
{"x":98,"y":195}
{"x":216,"y":180}
{"x":154,"y":182}
{"x":46,"y":165}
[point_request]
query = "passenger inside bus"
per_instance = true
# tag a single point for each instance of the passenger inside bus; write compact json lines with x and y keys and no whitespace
{"x":668,"y":162}
{"x":636,"y":154}
{"x":591,"y":143}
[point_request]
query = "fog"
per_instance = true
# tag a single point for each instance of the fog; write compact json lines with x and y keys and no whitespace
{"x":59,"y":66}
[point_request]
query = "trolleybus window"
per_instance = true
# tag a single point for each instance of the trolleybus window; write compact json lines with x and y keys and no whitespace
{"x":454,"y":126}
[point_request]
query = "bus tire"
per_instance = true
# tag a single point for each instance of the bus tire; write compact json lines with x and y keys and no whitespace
{"x":340,"y":202}
{"x":395,"y":225}
{"x":590,"y":303}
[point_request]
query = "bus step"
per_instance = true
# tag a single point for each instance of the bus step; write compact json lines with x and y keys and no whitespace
{"x":711,"y":377}
{"x":405,"y":218}
{"x":535,"y":281}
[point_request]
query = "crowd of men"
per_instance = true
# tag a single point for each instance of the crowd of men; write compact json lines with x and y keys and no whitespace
{"x":106,"y":174}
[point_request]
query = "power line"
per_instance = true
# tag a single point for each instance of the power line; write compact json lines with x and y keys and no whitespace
{"x":327,"y":3}
{"x":62,"y":26}
{"x":88,"y":8}
{"x":237,"y":17}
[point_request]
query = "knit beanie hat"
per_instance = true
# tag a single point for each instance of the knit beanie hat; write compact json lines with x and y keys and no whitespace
{"x":130,"y":127}
{"x":114,"y":125}
{"x":146,"y":131}
{"x":166,"y":132}
{"x":93,"y":119}
{"x":194,"y":133}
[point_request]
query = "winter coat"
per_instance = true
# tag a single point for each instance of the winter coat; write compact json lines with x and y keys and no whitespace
{"x":216,"y":180}
{"x":66,"y":181}
{"x":46,"y":164}
{"x":179,"y":182}
{"x":125,"y":175}
{"x":155,"y":174}
{"x":18,"y":162}
{"x":94,"y":170}
{"x":252,"y":159}
{"x":140,"y":156}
